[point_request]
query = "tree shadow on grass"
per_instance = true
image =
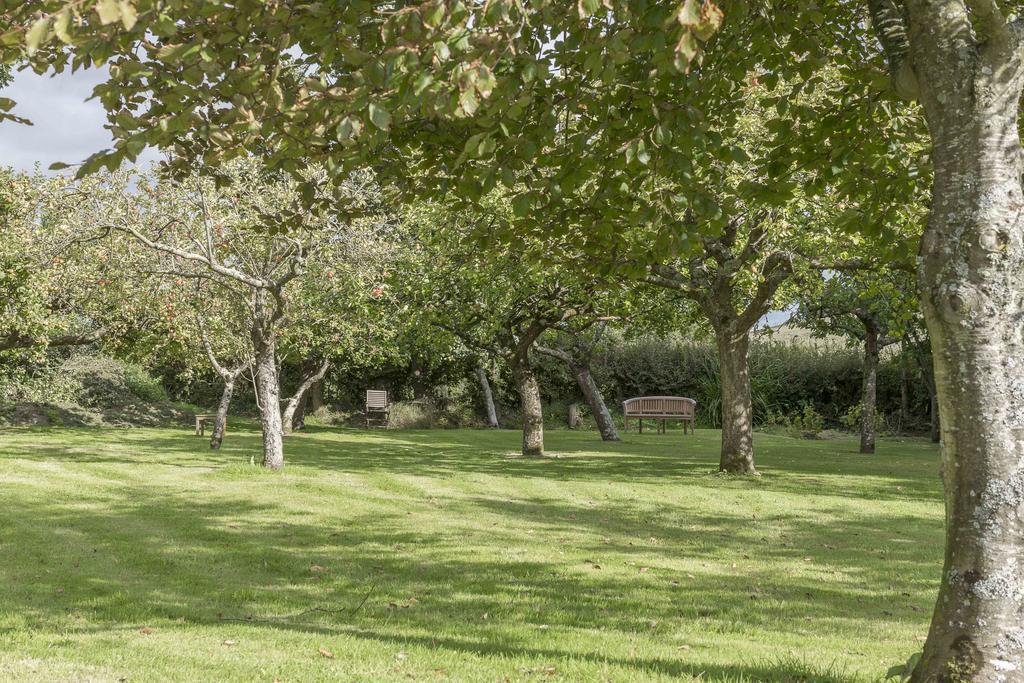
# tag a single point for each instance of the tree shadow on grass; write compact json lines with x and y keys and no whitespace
{"x":156,"y":555}
{"x":792,"y":466}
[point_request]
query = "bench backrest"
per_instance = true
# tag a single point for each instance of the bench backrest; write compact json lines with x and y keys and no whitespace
{"x":660,"y":405}
{"x":376,"y":399}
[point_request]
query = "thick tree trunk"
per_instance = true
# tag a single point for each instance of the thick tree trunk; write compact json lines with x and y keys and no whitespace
{"x":933,"y":407}
{"x":869,"y":391}
{"x":530,"y":406}
{"x":268,"y":395}
{"x":573,"y":416}
{"x":972,"y":292}
{"x":605,"y":423}
{"x":217,"y":437}
{"x":485,"y":386}
{"x":737,"y":407}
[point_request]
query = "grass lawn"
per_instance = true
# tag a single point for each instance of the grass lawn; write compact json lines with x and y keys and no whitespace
{"x":139,"y":555}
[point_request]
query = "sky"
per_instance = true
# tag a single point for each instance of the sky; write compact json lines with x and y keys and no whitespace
{"x":66,"y":127}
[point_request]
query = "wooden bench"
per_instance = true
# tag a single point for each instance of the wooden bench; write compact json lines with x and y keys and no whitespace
{"x":207,"y":418}
{"x":662,"y":409}
{"x":378,"y":407}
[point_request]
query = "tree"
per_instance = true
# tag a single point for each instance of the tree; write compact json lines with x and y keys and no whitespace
{"x":583,"y":338}
{"x":60,"y":289}
{"x":227,"y":239}
{"x":963,"y":64}
{"x":229,"y":374}
{"x":874,"y":308}
{"x":485,"y":388}
{"x":497,"y":301}
{"x":317,"y":82}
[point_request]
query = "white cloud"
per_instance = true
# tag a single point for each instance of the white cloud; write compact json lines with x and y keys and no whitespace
{"x":66,"y":127}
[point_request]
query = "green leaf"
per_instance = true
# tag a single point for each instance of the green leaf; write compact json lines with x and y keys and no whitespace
{"x":588,"y":7}
{"x":642,"y":155}
{"x":468,"y":102}
{"x":129,"y":15}
{"x":687,"y":49}
{"x":380,"y":116}
{"x":61,"y":24}
{"x":521,"y":205}
{"x":688,"y":13}
{"x":37,"y":34}
{"x":109,"y":11}
{"x":433,"y":15}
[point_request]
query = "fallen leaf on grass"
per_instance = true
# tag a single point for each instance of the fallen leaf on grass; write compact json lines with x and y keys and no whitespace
{"x":317,"y":569}
{"x":324,"y":652}
{"x":146,"y":630}
{"x":230,"y":642}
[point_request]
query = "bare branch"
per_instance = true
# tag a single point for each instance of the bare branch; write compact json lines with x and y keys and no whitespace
{"x":209,"y":262}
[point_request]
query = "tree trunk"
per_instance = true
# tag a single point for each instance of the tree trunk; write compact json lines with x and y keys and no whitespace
{"x":605,"y":423}
{"x":737,"y":455}
{"x":573,"y":416}
{"x":299,"y":418}
{"x":904,"y":392}
{"x":291,"y":406}
{"x":933,"y":408}
{"x":222,"y":412}
{"x":530,"y":406}
{"x":311,"y":372}
{"x":869,"y":390}
{"x":485,"y":386}
{"x":972,"y":293}
{"x":316,"y":397}
{"x":268,"y":394}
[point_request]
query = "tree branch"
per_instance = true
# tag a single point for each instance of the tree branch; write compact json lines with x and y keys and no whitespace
{"x":776,"y":270}
{"x":553,"y":353}
{"x":891,"y":30}
{"x":209,"y":262}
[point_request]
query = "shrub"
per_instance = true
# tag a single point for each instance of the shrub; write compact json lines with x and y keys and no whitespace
{"x":851,"y":420}
{"x":807,"y":423}
{"x":84,"y":387}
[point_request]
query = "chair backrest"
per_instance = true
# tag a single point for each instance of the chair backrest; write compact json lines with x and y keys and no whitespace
{"x":661,"y":405}
{"x":376,"y":398}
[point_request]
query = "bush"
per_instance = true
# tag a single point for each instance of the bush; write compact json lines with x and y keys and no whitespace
{"x":807,"y":423}
{"x":143,"y":385}
{"x":84,"y":388}
{"x":411,"y":415}
{"x":851,"y":420}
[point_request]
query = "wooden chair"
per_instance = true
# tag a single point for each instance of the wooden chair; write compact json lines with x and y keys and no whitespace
{"x":378,"y":407}
{"x":662,"y":409}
